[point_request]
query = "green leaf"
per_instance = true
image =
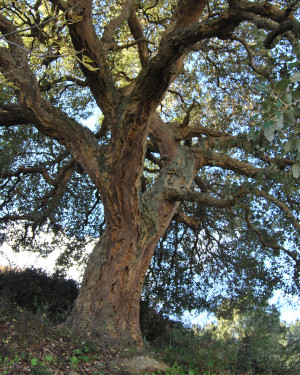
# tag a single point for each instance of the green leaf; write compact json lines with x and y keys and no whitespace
{"x":267,"y":106}
{"x":295,"y":77}
{"x":87,"y":59}
{"x":296,"y":95}
{"x":273,"y":225}
{"x":74,"y":360}
{"x":269,"y":124}
{"x":282,"y":85}
{"x":265,"y":116}
{"x":292,"y":65}
{"x":298,"y":144}
{"x":286,"y":98}
{"x":85,"y":358}
{"x":34,"y":361}
{"x":279,"y":123}
{"x":269,"y":133}
{"x":296,"y":49}
{"x":262,"y":88}
{"x":296,"y":170}
{"x":48,"y":357}
{"x":289,"y":117}
{"x":279,"y":104}
{"x":288,"y":145}
{"x":90,"y":67}
{"x":251,"y":134}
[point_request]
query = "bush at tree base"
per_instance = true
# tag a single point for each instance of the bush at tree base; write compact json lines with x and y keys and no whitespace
{"x":33,"y":290}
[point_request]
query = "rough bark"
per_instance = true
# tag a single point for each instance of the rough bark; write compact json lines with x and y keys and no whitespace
{"x":107,"y":309}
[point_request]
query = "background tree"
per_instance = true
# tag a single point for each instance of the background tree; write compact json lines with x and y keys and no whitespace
{"x":182,"y":160}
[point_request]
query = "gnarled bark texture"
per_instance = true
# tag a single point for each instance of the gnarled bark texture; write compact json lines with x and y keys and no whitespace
{"x":107,"y":308}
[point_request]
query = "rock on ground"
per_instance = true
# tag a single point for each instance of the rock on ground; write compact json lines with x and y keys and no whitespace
{"x":136,"y":366}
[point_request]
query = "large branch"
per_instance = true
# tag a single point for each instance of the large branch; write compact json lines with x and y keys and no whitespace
{"x":235,"y":165}
{"x":156,"y":77}
{"x":88,"y":46}
{"x":137,"y":33}
{"x":50,"y":84}
{"x":79,"y":140}
{"x":184,"y":132}
{"x":186,"y":13}
{"x":204,"y":198}
{"x":163,"y":138}
{"x":11,"y":115}
{"x":220,"y":140}
{"x":263,"y":9}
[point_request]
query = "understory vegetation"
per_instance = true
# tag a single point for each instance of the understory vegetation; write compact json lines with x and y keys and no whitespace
{"x":33,"y":305}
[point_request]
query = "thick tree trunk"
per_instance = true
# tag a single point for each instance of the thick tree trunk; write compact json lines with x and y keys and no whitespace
{"x":107,"y":308}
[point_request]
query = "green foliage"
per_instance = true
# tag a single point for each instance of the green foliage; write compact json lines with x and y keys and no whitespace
{"x":155,"y":326}
{"x":34,"y":290}
{"x":279,"y":110}
{"x":248,"y":343}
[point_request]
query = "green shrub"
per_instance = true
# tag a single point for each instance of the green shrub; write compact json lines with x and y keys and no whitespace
{"x":198,"y":349}
{"x":156,"y":328}
{"x":33,"y":290}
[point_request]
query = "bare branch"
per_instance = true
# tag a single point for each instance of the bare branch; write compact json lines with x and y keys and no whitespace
{"x":289,"y":25}
{"x":137,"y":32}
{"x":186,"y":119}
{"x":87,"y":45}
{"x":131,"y":44}
{"x":189,"y":221}
{"x":183,"y":132}
{"x":49,"y":85}
{"x":243,"y":168}
{"x":163,"y":138}
{"x":109,"y":29}
{"x":29,"y":170}
{"x":204,"y":198}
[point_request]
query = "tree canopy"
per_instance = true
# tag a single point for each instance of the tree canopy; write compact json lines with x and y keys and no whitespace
{"x":196,"y":145}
